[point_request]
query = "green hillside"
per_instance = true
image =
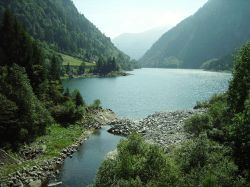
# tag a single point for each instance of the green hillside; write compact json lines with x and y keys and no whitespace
{"x":216,"y":30}
{"x":59,"y":23}
{"x":73,"y":61}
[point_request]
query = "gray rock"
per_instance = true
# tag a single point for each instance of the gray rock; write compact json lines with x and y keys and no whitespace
{"x":37,"y":183}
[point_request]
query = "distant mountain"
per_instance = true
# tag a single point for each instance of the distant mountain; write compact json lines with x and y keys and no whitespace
{"x":215,"y":31}
{"x":59,"y":23}
{"x":136,"y":44}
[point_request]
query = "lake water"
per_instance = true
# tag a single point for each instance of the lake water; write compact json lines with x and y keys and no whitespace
{"x":151,"y":90}
{"x":145,"y":92}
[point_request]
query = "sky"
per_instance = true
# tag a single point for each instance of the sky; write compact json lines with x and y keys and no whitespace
{"x":114,"y":17}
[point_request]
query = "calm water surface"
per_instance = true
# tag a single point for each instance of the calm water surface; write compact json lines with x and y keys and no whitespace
{"x":80,"y":170}
{"x":151,"y":90}
{"x":135,"y":96}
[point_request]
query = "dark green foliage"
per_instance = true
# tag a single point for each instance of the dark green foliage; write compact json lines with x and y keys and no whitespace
{"x":68,"y":69}
{"x":30,"y":87}
{"x":198,"y":162}
{"x":138,"y":164}
{"x":78,"y":98}
{"x":240,"y":85}
{"x":31,"y":117}
{"x":67,"y":113}
{"x":18,"y":47}
{"x":96,"y":104}
{"x":81,"y":69}
{"x":60,"y":24}
{"x":197,"y":124}
{"x":222,"y":64}
{"x":104,"y":67}
{"x":215,"y":31}
{"x":228,"y":117}
{"x":206,"y":163}
{"x":55,"y":68}
{"x":8,"y":120}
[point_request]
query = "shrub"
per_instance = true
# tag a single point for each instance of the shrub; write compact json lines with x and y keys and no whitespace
{"x":197,"y":124}
{"x":96,"y":104}
{"x":138,"y":164}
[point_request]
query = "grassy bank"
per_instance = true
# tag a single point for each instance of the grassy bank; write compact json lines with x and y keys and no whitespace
{"x":56,"y":139}
{"x":72,"y":61}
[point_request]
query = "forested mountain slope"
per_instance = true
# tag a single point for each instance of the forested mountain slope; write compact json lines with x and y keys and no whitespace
{"x":60,"y":24}
{"x":215,"y":31}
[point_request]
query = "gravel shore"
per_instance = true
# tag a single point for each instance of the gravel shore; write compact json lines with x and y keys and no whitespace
{"x":164,"y":128}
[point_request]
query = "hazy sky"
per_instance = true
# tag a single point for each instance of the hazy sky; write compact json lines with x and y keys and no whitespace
{"x":114,"y":17}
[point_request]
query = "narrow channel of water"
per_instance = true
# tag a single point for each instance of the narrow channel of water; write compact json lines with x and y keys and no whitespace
{"x":80,"y":170}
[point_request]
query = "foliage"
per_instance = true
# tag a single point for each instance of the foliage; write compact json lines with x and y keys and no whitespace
{"x":103,"y":67}
{"x":214,"y":31}
{"x":223,"y":64}
{"x":137,"y":164}
{"x":206,"y":163}
{"x":228,"y":117}
{"x":30,"y":86}
{"x":96,"y":104}
{"x":199,"y":162}
{"x":240,"y":85}
{"x":197,"y":124}
{"x":81,"y":69}
{"x":73,"y":61}
{"x":59,"y":24}
{"x":55,"y":140}
{"x":216,"y":155}
{"x":31,"y":117}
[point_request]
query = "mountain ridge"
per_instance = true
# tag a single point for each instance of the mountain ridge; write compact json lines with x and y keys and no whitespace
{"x":136,"y":44}
{"x":59,"y":23}
{"x":207,"y":34}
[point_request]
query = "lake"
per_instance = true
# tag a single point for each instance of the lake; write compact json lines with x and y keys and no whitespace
{"x":135,"y":96}
{"x":151,"y":90}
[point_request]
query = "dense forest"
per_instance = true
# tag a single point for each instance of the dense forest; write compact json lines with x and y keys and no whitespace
{"x":31,"y":92}
{"x":215,"y":31}
{"x":217,"y":153}
{"x":58,"y":23}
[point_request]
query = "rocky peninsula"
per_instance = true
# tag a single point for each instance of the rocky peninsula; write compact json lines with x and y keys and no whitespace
{"x":163,"y":128}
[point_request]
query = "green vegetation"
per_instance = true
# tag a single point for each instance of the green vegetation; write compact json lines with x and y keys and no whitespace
{"x":216,"y":155}
{"x":56,"y":139}
{"x":214,"y":31}
{"x":59,"y":24}
{"x":137,"y":164}
{"x":73,"y":61}
{"x":199,"y":162}
{"x":30,"y":87}
{"x":227,"y":119}
{"x":104,"y":67}
{"x":222,"y":64}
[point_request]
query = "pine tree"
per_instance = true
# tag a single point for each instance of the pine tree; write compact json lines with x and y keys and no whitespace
{"x":55,"y":69}
{"x":81,"y":69}
{"x":78,"y":99}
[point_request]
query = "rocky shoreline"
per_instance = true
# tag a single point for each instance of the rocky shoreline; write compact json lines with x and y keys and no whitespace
{"x":40,"y":173}
{"x":163,"y":128}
